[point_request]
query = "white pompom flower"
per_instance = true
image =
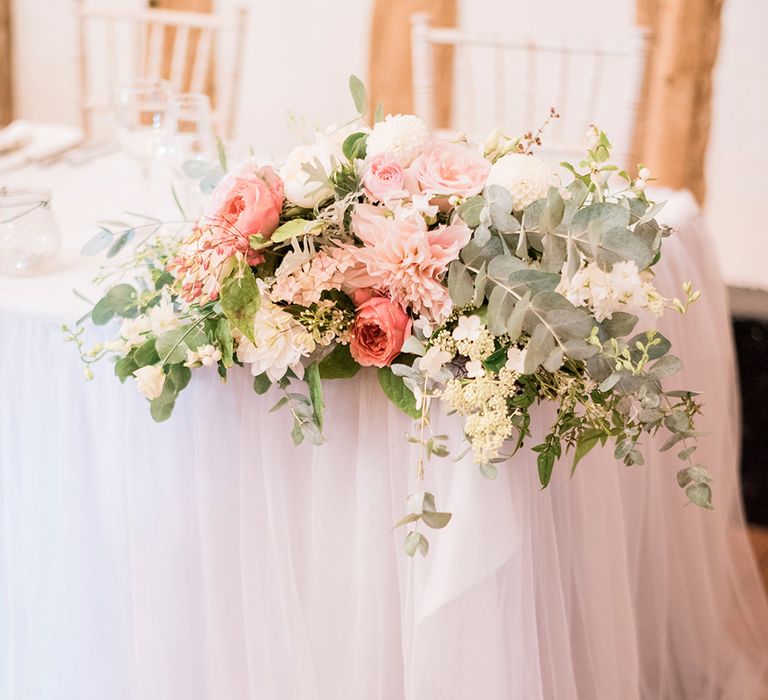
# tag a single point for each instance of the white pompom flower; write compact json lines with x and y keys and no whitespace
{"x":402,"y":137}
{"x":526,"y":178}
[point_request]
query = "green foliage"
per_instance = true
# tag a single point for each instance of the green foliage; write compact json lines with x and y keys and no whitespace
{"x":241,"y":300}
{"x":359,"y":94}
{"x":339,"y":364}
{"x":397,"y":392}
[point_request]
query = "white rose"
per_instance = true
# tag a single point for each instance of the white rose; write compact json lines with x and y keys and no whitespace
{"x":163,"y":318}
{"x":401,"y":137}
{"x":526,"y":178}
{"x":150,"y":381}
{"x":299,"y":189}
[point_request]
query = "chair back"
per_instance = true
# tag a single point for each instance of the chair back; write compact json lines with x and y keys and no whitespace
{"x":510,"y":82}
{"x":185,"y":48}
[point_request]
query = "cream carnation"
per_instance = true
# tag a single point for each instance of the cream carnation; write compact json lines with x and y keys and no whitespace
{"x":401,"y":137}
{"x":526,"y":178}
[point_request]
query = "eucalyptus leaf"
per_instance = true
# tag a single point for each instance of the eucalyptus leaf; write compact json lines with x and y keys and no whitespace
{"x":261,"y":383}
{"x":460,"y":285}
{"x":359,"y":94}
{"x":435,"y":520}
{"x":469,"y":211}
{"x":102,"y":312}
{"x":619,"y":325}
{"x":101,"y":241}
{"x":665,"y":366}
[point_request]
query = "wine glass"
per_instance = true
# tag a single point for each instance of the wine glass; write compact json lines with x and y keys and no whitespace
{"x":190,"y":141}
{"x":140,"y":110}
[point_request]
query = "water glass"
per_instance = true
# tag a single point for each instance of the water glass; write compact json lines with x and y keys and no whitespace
{"x":140,"y":111}
{"x":30,"y":239}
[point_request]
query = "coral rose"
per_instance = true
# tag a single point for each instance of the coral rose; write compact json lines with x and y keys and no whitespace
{"x":451,"y":168}
{"x":380,"y":330}
{"x":248,"y":202}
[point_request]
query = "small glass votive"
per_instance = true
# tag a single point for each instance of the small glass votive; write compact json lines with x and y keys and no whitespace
{"x":30,"y":239}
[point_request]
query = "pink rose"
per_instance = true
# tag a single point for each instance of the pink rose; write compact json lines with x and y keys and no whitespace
{"x":248,"y":202}
{"x":380,"y":330}
{"x":451,"y":168}
{"x":385,"y":179}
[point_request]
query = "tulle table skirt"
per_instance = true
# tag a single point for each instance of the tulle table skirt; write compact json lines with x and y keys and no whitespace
{"x":207,"y":558}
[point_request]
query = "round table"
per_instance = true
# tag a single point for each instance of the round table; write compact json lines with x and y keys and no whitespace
{"x":207,"y":558}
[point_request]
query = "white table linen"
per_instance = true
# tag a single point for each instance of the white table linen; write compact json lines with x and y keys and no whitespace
{"x":207,"y":558}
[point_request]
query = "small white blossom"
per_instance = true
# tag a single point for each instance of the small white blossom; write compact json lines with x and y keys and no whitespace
{"x":475,"y":369}
{"x":422,"y":324}
{"x":150,"y":381}
{"x":516,"y":360}
{"x":434,"y":360}
{"x":207,"y":356}
{"x":640,"y":185}
{"x":644,"y":174}
{"x":469,"y":328}
{"x":163,"y":318}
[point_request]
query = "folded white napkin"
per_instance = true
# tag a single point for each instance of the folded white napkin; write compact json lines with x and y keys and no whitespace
{"x":27,"y":142}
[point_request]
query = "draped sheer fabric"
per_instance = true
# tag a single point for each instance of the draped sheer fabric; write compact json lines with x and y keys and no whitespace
{"x":206,"y":558}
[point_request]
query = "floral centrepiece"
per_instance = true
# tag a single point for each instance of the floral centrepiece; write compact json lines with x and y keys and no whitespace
{"x":476,"y":277}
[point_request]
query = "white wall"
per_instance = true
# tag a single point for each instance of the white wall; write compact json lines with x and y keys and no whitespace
{"x":300,"y":53}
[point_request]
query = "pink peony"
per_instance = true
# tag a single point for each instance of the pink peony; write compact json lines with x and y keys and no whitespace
{"x":248,"y":202}
{"x":450,"y":168}
{"x":384,"y":179}
{"x":380,"y":330}
{"x":406,"y":259}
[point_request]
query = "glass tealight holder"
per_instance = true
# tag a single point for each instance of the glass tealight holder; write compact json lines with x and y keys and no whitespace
{"x":30,"y":239}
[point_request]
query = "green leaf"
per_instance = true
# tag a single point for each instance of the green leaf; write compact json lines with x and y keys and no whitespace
{"x":180,"y":376}
{"x":146,"y":354}
{"x":122,"y":299}
{"x":102,"y":313}
{"x":665,"y":366}
{"x":339,"y":364}
{"x":125,"y":367}
{"x":226,"y":343}
{"x":359,"y":94}
{"x":354,"y":146}
{"x":545,"y":463}
{"x":435,"y":520}
{"x":312,"y":377}
{"x":587,"y":440}
{"x":120,"y":242}
{"x":398,"y":393}
{"x":620,"y":325}
{"x":261,"y":384}
{"x":172,"y":345}
{"x":290,"y":229}
{"x":378,"y":115}
{"x":221,"y":150}
{"x":161,"y":411}
{"x":241,"y":300}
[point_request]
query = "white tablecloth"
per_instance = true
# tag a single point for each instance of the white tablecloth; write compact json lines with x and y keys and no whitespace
{"x":207,"y":558}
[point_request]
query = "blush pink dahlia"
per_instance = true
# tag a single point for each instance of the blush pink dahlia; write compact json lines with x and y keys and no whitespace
{"x":406,"y":260}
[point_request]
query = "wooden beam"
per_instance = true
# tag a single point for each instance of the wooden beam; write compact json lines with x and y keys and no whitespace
{"x":673,"y":123}
{"x":389,"y":79}
{"x":6,"y":87}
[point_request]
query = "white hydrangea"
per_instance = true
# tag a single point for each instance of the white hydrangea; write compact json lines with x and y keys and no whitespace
{"x":526,"y":178}
{"x":163,"y":317}
{"x":281,"y":342}
{"x":402,"y":137}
